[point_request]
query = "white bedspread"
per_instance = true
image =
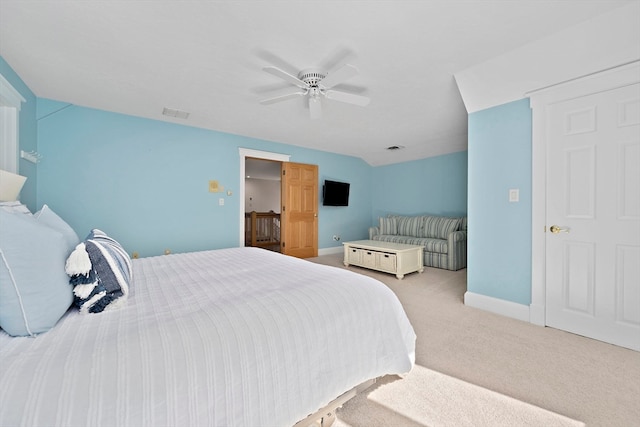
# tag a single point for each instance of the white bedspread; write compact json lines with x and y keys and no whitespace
{"x":232,"y":337}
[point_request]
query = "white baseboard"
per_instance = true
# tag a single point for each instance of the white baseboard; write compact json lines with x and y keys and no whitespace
{"x":330,"y":251}
{"x":537,"y":314}
{"x":497,"y":306}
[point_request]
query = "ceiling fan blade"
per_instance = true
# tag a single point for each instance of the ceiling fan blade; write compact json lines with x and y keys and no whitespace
{"x":338,"y":76}
{"x":315,"y":108}
{"x":283,"y":96}
{"x":349,"y":98}
{"x":286,"y":76}
{"x":274,"y":60}
{"x":339,"y":56}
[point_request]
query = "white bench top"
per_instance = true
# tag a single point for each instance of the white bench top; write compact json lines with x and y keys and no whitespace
{"x":381,"y":246}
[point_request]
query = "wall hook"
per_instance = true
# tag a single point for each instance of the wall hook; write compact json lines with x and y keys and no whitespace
{"x":31,"y":156}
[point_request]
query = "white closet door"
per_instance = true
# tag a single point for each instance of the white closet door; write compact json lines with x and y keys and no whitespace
{"x":593,"y":198}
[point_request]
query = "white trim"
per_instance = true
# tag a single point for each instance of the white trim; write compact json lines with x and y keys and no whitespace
{"x":497,"y":306}
{"x":537,"y":314}
{"x":540,"y":100}
{"x":331,"y":251}
{"x":10,"y":97}
{"x":579,"y":78}
{"x":256,"y":154}
{"x":10,"y":105}
{"x":538,"y":214}
{"x":611,"y":78}
{"x":9,"y":134}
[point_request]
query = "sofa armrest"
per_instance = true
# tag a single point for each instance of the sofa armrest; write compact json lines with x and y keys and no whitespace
{"x":458,"y":236}
{"x":373,"y":231}
{"x":457,"y":243}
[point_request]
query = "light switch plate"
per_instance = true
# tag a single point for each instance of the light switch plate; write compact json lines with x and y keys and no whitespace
{"x":221,"y":201}
{"x":514,"y":195}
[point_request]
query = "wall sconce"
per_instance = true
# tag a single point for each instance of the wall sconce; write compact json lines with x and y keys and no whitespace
{"x":10,"y":186}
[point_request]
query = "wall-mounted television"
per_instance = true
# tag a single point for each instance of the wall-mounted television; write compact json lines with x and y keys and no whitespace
{"x":335,"y":193}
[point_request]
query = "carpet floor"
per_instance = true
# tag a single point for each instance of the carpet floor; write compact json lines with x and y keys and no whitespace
{"x":475,"y":368}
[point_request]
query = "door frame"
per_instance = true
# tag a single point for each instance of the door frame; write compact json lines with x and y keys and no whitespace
{"x":257,"y":154}
{"x":605,"y":80}
{"x":10,"y":105}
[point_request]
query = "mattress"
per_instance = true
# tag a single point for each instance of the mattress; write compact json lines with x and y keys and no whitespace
{"x":230,"y":337}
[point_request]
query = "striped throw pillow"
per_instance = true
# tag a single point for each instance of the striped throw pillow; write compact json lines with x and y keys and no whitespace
{"x":100,"y":271}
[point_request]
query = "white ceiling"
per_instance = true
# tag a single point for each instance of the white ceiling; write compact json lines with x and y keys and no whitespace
{"x":206,"y":58}
{"x":262,"y":169}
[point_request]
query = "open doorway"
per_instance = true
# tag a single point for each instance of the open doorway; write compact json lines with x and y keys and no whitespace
{"x":262,"y":202}
{"x":298,"y":194}
{"x":246,"y":153}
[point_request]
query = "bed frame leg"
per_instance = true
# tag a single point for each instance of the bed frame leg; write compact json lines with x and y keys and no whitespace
{"x":328,"y":419}
{"x":326,"y":416}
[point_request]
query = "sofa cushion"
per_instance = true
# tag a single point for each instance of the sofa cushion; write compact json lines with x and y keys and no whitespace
{"x":388,"y":225}
{"x":410,"y":226}
{"x":430,"y":245}
{"x":439,"y":227}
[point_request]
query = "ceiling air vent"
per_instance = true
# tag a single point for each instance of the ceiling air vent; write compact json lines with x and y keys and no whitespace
{"x":172,"y":112}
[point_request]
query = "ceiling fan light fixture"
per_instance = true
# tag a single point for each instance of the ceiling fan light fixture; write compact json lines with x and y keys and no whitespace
{"x":315,"y":84}
{"x":312,"y":76}
{"x":315,"y":108}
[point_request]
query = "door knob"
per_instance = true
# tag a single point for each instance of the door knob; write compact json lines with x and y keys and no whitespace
{"x":556,"y":229}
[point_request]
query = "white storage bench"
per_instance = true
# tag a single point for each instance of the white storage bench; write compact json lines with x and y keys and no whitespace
{"x":395,"y":258}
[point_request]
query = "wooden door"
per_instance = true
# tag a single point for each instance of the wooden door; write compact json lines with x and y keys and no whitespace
{"x":593,"y":203}
{"x":299,"y":225}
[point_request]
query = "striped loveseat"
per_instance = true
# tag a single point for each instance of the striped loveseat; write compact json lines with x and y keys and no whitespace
{"x":444,"y":239}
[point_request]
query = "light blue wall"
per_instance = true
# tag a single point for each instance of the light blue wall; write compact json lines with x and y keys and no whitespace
{"x":27,"y":133}
{"x":499,"y":239}
{"x":349,"y":222}
{"x":145,"y":182}
{"x":435,"y":185}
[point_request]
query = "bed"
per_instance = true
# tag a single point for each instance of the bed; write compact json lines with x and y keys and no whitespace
{"x":229,"y":337}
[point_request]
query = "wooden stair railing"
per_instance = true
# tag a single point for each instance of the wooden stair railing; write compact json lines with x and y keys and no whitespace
{"x":262,"y":229}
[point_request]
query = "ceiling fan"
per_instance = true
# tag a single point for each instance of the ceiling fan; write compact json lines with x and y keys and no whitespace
{"x":314,"y":84}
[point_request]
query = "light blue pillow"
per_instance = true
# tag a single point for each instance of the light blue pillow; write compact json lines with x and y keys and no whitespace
{"x":15,"y":207}
{"x":34,"y":288}
{"x":49,"y":218}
